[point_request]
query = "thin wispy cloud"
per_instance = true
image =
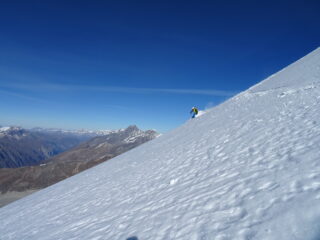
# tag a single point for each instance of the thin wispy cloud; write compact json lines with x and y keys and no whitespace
{"x":23,"y":96}
{"x":68,"y":87}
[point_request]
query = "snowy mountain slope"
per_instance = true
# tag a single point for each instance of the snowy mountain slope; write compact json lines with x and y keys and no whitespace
{"x":247,"y":169}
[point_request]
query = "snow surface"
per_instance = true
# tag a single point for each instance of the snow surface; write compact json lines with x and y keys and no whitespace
{"x":247,"y":169}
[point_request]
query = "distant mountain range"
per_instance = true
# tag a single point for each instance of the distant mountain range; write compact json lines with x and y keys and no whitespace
{"x":81,"y":132}
{"x":73,"y":161}
{"x":27,"y":147}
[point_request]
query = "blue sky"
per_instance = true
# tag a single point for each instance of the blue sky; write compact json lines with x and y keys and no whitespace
{"x":109,"y":64}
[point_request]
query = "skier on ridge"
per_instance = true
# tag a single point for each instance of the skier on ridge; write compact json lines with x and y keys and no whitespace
{"x":194,"y":111}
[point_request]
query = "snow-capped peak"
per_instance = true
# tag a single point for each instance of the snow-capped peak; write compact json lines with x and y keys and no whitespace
{"x":4,"y":129}
{"x":14,"y":132}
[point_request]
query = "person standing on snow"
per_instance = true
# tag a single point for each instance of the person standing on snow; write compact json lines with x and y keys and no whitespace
{"x":194,"y":111}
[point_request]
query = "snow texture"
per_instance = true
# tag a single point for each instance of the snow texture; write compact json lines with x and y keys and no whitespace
{"x":246,"y":169}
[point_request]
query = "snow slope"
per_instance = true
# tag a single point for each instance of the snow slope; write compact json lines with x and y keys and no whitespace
{"x":247,"y":169}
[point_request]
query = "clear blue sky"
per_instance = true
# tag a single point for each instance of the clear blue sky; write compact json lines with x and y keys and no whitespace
{"x":109,"y":64}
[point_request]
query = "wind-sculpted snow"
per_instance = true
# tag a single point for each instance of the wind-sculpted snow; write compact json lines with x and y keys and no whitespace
{"x":247,"y":169}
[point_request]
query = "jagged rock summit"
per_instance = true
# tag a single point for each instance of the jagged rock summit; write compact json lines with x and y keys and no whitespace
{"x":247,"y":169}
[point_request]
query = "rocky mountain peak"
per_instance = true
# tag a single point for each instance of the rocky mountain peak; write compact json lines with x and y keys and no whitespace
{"x":132,"y":128}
